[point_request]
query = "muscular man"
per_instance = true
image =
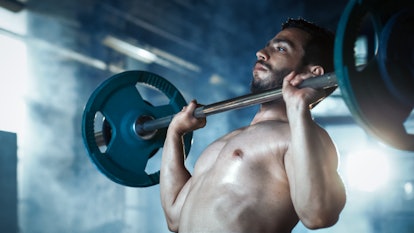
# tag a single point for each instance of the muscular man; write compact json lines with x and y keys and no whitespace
{"x":267,"y":176}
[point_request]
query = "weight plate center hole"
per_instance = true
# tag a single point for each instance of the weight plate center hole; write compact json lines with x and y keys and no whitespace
{"x":146,"y":135}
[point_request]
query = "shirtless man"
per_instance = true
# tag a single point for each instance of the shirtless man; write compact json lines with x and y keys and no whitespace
{"x":267,"y":176}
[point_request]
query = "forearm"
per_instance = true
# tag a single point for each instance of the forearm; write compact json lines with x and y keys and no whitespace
{"x":318,"y":189}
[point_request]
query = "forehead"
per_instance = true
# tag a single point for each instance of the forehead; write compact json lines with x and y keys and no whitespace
{"x":295,"y":36}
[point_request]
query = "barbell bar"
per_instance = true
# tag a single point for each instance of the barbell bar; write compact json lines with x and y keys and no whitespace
{"x":319,"y":82}
{"x":379,"y":95}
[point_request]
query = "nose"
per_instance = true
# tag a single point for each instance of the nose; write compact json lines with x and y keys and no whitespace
{"x":262,"y":55}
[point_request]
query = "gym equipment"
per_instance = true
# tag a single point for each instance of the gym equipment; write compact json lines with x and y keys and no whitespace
{"x":111,"y":140}
{"x":122,"y":130}
{"x":379,"y":93}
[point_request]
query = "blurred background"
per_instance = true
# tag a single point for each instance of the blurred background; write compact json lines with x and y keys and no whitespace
{"x":54,"y":54}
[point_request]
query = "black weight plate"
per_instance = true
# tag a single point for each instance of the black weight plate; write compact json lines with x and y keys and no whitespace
{"x":370,"y":101}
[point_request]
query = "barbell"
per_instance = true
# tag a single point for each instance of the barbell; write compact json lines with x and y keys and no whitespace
{"x":122,"y":129}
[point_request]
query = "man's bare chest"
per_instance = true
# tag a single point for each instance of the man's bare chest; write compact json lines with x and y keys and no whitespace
{"x":258,"y":145}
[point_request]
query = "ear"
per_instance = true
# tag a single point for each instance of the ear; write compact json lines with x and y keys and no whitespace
{"x":316,"y":70}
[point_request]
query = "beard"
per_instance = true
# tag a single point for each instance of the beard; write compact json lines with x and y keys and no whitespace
{"x":273,"y":80}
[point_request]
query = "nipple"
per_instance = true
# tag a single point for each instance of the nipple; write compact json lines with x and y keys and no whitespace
{"x":238,"y":153}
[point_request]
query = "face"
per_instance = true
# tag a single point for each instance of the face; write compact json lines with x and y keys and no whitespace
{"x":281,"y":55}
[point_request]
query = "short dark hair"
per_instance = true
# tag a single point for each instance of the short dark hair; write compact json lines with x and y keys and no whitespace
{"x":319,"y":48}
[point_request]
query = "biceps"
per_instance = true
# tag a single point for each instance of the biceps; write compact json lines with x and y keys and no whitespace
{"x":289,"y":168}
{"x":173,"y":210}
{"x":182,"y":195}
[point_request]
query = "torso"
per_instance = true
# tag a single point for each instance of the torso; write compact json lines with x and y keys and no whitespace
{"x":240,"y":184}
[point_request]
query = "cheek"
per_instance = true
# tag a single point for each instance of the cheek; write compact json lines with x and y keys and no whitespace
{"x":282,"y":62}
{"x":279,"y":74}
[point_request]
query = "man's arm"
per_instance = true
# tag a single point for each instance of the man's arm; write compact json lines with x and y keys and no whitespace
{"x":175,"y":179}
{"x":317,"y":191}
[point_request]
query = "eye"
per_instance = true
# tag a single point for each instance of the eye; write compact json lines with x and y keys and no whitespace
{"x":281,"y":49}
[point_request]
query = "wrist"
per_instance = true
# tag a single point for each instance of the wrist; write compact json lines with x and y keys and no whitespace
{"x":297,"y":107}
{"x":175,"y":132}
{"x":298,"y":111}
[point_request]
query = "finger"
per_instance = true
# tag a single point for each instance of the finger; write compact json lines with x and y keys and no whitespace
{"x":298,"y":79}
{"x":290,"y":76}
{"x":192,"y":105}
{"x":287,"y":81}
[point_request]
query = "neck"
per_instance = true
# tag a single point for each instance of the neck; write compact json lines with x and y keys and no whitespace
{"x":275,"y":110}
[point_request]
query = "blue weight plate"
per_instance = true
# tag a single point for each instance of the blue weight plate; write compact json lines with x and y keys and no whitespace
{"x":126,"y":154}
{"x":367,"y":96}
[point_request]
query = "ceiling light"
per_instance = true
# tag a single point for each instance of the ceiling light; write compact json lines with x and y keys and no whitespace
{"x":130,"y":49}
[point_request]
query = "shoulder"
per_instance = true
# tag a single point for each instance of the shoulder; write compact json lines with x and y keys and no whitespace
{"x":271,"y":136}
{"x":277,"y":128}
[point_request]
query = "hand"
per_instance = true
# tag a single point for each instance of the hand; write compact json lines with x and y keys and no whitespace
{"x":184,"y":121}
{"x":302,"y":97}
